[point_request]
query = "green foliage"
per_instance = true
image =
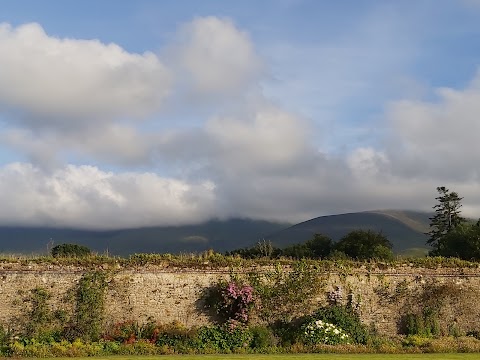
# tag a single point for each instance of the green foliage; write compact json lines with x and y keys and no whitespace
{"x":462,"y":242}
{"x":223,"y":338}
{"x":319,"y":247}
{"x":346,"y":319}
{"x":90,"y":303}
{"x":364,"y":245}
{"x":447,"y":217}
{"x":176,"y":336}
{"x":424,"y":323}
{"x":70,"y":250}
{"x":40,"y":315}
{"x":285,"y":294}
{"x":6,"y":335}
{"x":321,"y":332}
{"x":128,"y":332}
{"x":262,"y":338}
{"x":436,"y":309}
{"x":297,"y":251}
{"x":215,"y":261}
{"x":42,"y":323}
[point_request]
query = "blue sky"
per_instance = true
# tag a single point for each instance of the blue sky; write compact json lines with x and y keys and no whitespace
{"x":134,"y":113}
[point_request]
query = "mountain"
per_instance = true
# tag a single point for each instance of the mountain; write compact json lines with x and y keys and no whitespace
{"x":216,"y":234}
{"x":405,"y":229}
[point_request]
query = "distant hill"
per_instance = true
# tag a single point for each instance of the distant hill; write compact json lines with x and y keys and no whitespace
{"x":218,"y":235}
{"x":405,"y":229}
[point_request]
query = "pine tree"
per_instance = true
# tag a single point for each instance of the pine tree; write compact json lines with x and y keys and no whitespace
{"x":447,"y":216}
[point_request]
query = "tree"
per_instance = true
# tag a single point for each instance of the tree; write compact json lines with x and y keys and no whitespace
{"x":70,"y":250}
{"x":463,"y":242}
{"x":365,"y":244}
{"x":447,"y":216}
{"x":321,"y":246}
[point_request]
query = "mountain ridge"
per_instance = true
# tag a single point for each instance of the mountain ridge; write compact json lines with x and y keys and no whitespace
{"x":404,"y":228}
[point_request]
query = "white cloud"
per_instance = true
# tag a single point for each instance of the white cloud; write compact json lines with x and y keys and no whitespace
{"x":367,"y":162}
{"x":67,"y":82}
{"x":266,"y":140}
{"x":118,"y":144}
{"x":216,"y":57}
{"x":86,"y":197}
{"x":438,"y":139}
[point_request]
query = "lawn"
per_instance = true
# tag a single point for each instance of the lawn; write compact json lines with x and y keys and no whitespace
{"x":455,"y":356}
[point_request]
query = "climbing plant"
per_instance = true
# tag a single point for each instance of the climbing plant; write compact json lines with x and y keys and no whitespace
{"x":90,"y":306}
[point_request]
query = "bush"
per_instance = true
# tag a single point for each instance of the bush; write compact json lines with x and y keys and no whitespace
{"x":231,"y":301}
{"x":423,"y":324}
{"x":223,"y":338}
{"x":262,"y":338}
{"x":346,"y":319}
{"x":176,"y":337}
{"x":321,"y":332}
{"x":70,"y":250}
{"x":125,"y":332}
{"x":5,"y":339}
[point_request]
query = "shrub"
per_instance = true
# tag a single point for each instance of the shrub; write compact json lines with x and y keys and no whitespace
{"x":262,"y":337}
{"x":125,"y":332}
{"x":232,"y":301}
{"x":5,"y":339}
{"x":223,"y":338}
{"x":321,"y":332}
{"x":175,"y":336}
{"x":288,"y":333}
{"x":424,"y":323}
{"x":346,"y":319}
{"x":70,"y":250}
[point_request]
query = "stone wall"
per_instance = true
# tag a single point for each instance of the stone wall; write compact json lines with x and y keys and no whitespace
{"x":382,"y":296}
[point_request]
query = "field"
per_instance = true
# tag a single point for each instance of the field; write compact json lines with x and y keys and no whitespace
{"x":293,"y":357}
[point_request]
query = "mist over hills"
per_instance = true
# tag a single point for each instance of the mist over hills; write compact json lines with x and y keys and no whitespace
{"x":218,"y":235}
{"x":405,"y":229}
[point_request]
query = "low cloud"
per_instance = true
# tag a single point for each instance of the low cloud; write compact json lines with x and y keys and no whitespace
{"x":86,"y":197}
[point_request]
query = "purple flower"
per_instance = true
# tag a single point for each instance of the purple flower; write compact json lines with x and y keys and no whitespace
{"x":237,"y":300}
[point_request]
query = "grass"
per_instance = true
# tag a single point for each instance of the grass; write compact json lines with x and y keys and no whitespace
{"x":455,"y":356}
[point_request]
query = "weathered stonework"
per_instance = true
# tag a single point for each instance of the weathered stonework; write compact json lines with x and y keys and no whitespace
{"x":382,"y":296}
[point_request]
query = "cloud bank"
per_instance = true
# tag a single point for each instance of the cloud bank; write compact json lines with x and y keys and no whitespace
{"x":103,"y":147}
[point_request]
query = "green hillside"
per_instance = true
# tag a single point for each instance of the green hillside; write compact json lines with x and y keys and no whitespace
{"x":405,"y":229}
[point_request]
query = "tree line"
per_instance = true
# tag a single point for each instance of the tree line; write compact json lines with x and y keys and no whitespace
{"x":357,"y":244}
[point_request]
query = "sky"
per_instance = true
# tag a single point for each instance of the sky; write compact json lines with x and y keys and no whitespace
{"x":119,"y":114}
